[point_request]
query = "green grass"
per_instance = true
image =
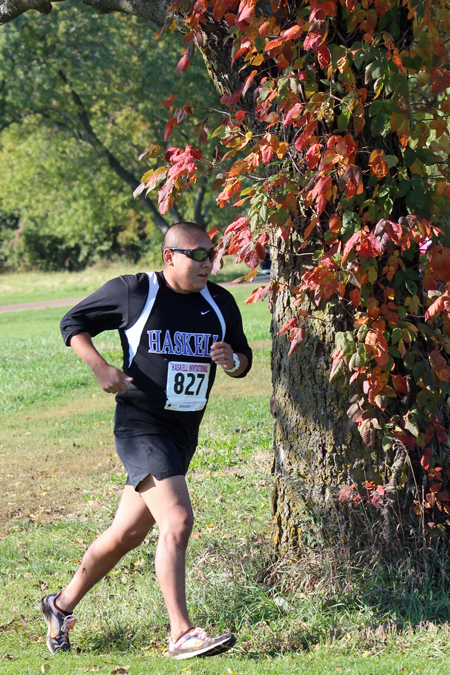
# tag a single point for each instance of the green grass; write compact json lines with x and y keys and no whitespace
{"x":60,"y":482}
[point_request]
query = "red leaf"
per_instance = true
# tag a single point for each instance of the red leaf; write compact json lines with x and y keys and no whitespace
{"x":168,"y":102}
{"x":375,"y":500}
{"x":292,"y":33}
{"x":169,"y":128}
{"x":436,"y":307}
{"x":256,"y":295}
{"x":297,"y":335}
{"x":313,"y":156}
{"x":237,"y":225}
{"x":355,"y":297}
{"x":219,"y":10}
{"x":399,"y":383}
{"x":443,"y":496}
{"x":440,"y":80}
{"x":246,"y":9}
{"x":288,"y":325}
{"x":212,"y":232}
{"x":350,"y":245}
{"x":165,"y":199}
{"x":441,"y":434}
{"x":323,"y":56}
{"x":425,"y":462}
{"x":322,"y":185}
{"x":248,"y":83}
{"x":185,"y":60}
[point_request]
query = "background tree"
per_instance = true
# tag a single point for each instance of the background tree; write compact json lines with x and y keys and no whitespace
{"x":75,"y":114}
{"x":337,"y":131}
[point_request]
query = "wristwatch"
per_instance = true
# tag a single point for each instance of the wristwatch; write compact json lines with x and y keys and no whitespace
{"x":236,"y":364}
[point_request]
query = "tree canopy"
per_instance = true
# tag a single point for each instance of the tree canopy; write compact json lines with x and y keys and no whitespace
{"x":75,"y":113}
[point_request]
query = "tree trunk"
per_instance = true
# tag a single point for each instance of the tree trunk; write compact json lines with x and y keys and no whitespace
{"x":318,"y":449}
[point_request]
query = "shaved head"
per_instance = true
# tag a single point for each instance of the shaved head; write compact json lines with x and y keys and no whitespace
{"x":178,"y":233}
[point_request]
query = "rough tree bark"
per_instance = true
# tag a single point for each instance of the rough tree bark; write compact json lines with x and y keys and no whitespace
{"x":317,"y":447}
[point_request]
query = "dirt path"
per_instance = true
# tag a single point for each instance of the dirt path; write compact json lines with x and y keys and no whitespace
{"x":70,"y":302}
{"x":45,"y":304}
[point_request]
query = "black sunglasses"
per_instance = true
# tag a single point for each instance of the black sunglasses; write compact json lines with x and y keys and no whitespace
{"x":197,"y":254}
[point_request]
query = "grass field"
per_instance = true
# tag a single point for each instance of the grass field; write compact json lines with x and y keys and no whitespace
{"x":60,"y":481}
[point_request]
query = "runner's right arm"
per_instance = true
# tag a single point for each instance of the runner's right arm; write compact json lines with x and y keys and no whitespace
{"x":111,"y":379}
{"x":108,"y":308}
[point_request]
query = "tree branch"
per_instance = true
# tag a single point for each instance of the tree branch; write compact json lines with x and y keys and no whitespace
{"x":113,"y":162}
{"x":153,"y":10}
{"x":11,"y":9}
{"x":198,"y":201}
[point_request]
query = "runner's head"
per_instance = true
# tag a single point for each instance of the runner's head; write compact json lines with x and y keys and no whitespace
{"x":183,"y":273}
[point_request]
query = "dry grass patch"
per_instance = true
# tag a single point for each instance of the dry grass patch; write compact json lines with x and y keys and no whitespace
{"x":50,"y":457}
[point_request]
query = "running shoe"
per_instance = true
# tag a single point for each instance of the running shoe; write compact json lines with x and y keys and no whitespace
{"x":58,"y":624}
{"x":197,"y":643}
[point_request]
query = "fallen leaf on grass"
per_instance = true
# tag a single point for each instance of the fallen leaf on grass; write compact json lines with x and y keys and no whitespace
{"x":10,"y":657}
{"x":93,"y":668}
{"x":120,"y":670}
{"x":45,"y":668}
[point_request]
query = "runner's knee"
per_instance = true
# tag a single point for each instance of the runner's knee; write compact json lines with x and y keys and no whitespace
{"x":178,"y":529}
{"x":128,"y":539}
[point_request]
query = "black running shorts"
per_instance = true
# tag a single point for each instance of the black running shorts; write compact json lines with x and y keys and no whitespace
{"x":153,"y":454}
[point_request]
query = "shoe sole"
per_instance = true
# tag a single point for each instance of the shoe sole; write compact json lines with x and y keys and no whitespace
{"x":45,"y":611}
{"x":220,"y":648}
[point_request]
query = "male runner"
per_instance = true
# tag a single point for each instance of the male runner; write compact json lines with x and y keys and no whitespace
{"x":175,"y":328}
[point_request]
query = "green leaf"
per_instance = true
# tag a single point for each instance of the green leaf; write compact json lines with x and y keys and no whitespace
{"x":409,"y":359}
{"x":418,"y":370}
{"x":410,"y":156}
{"x":412,"y":426}
{"x":391,"y":160}
{"x":375,"y":107}
{"x":393,"y":351}
{"x":378,"y":124}
{"x":343,"y":120}
{"x":396,"y":335}
{"x":428,"y":379}
{"x":411,"y":286}
{"x":404,"y":186}
{"x":411,"y":274}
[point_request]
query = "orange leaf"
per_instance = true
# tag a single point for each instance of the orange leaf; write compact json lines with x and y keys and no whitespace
{"x":355,"y":297}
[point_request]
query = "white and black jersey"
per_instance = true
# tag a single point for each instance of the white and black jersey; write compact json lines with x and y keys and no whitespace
{"x":166,"y":340}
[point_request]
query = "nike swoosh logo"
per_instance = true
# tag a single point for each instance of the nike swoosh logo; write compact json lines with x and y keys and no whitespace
{"x":208,"y":310}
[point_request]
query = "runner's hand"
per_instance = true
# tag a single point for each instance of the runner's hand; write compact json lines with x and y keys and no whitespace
{"x":222,"y":355}
{"x":111,"y":379}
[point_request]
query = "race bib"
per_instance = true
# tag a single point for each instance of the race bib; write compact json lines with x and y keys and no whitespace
{"x":187,"y":384}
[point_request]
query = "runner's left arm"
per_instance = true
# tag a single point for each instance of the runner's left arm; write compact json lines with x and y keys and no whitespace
{"x":234,"y":342}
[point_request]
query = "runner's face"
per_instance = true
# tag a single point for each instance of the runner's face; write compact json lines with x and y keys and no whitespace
{"x":183,"y":274}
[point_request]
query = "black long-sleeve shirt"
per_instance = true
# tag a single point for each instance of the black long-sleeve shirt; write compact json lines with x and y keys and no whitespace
{"x":166,"y":339}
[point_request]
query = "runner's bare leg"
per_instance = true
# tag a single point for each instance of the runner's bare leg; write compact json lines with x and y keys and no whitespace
{"x":168,"y":501}
{"x":128,"y":530}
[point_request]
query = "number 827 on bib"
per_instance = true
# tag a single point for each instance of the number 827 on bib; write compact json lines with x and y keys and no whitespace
{"x":187,"y":385}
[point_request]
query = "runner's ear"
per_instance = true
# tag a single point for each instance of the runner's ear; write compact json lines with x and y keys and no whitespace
{"x":168,"y":256}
